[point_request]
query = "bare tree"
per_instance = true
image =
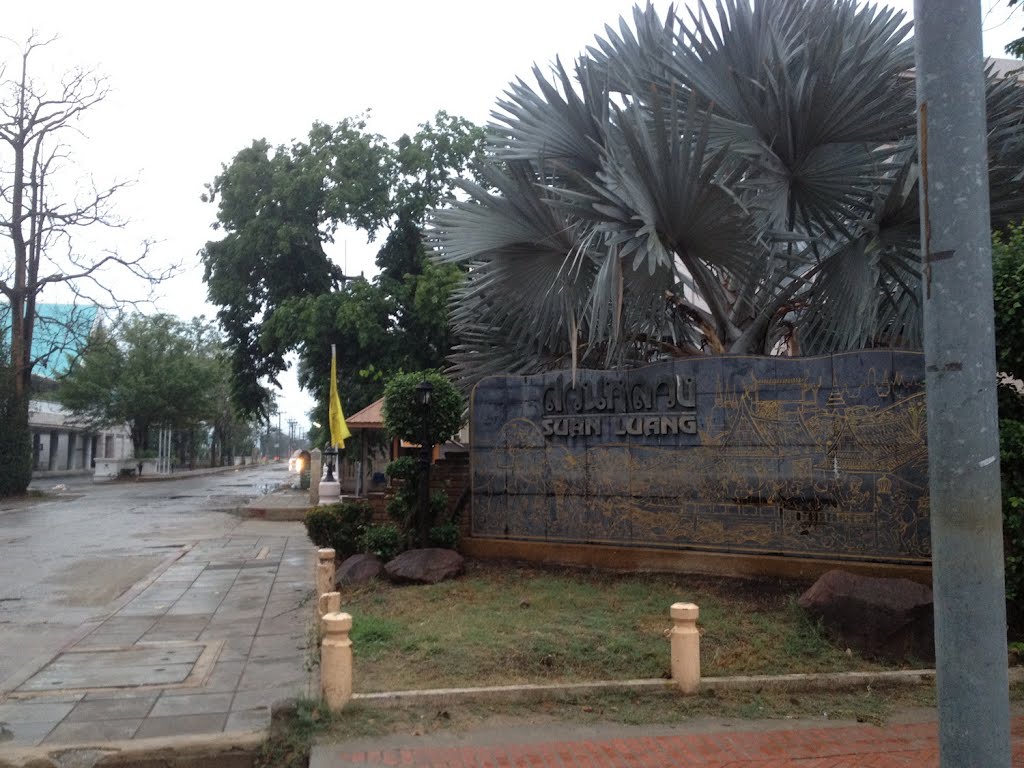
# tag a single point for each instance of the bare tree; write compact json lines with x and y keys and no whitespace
{"x":41,"y":214}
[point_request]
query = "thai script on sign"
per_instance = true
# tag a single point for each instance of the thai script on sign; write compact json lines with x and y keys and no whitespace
{"x":663,"y":404}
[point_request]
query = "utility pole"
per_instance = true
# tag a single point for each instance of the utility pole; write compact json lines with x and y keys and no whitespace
{"x":963,"y":425}
{"x":291,"y":434}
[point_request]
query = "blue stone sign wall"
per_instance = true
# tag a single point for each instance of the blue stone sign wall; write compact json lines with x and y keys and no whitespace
{"x":816,"y":457}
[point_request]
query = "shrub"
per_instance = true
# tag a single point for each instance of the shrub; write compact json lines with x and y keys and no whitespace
{"x":401,"y":506}
{"x":445,"y":535}
{"x":339,"y":526}
{"x":384,"y":541}
{"x":403,"y":468}
{"x":1011,"y":439}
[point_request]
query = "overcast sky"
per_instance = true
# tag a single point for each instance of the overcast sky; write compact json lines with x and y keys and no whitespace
{"x":194,"y":82}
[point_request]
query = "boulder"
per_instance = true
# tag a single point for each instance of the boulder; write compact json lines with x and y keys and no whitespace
{"x":425,"y":566}
{"x":358,"y":569}
{"x":880,"y":618}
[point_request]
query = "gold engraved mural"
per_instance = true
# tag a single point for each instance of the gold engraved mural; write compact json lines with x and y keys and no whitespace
{"x":819,"y":457}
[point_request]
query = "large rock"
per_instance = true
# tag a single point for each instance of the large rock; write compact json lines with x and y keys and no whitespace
{"x":358,"y":569}
{"x":885,"y":618}
{"x":425,"y":566}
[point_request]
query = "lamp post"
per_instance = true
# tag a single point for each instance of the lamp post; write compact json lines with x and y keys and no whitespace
{"x":330,"y":452}
{"x":423,"y":392}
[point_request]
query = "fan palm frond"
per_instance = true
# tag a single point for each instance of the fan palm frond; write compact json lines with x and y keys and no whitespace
{"x":713,"y":182}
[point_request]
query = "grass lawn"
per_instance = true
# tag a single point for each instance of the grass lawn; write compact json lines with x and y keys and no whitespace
{"x":502,"y":624}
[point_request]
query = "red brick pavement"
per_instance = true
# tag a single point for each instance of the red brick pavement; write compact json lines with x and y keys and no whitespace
{"x":914,"y":746}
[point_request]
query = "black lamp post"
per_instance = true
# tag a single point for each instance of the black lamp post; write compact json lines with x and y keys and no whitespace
{"x":329,"y":453}
{"x":423,"y":392}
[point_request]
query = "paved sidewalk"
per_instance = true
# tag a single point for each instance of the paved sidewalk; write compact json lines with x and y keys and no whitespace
{"x":912,"y":745}
{"x":204,"y":645}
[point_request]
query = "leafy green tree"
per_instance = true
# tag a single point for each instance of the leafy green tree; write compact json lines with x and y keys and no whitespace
{"x":740,"y":181}
{"x":275,"y":285}
{"x":1008,"y":293}
{"x":413,"y":506}
{"x":149,"y":371}
{"x":405,"y":419}
{"x":1015,"y":47}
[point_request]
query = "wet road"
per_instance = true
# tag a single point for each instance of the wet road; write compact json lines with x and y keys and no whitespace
{"x":65,"y":561}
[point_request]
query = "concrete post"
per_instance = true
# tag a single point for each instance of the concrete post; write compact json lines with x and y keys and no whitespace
{"x":330,"y":492}
{"x":336,"y":660}
{"x":959,"y":351}
{"x":315,"y":468}
{"x":685,"y":647}
{"x":329,"y":602}
{"x":324,"y":571}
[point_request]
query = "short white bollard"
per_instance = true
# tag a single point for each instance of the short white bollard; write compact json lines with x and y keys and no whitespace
{"x":323,"y":578}
{"x":324,"y":571}
{"x":685,"y":647}
{"x":329,"y":602}
{"x":336,"y":660}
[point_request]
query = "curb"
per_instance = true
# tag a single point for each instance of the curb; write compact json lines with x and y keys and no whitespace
{"x":796,"y":683}
{"x":239,"y":749}
{"x":182,"y":475}
{"x":221,"y":750}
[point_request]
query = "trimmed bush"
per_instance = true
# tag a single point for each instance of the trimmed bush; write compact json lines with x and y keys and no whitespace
{"x":384,"y":541}
{"x":340,"y":526}
{"x":403,"y":468}
{"x":403,"y":417}
{"x":445,"y":536}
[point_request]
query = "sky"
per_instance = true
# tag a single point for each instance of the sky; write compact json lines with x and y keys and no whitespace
{"x":192,"y":83}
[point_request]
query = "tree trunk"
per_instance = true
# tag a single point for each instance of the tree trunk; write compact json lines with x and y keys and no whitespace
{"x":15,"y":437}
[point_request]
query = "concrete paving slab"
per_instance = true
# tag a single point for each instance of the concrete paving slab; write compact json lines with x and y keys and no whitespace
{"x":100,"y":639}
{"x":123,"y":708}
{"x":278,"y":647}
{"x":138,"y":625}
{"x":63,"y":679}
{"x":128,"y":693}
{"x":93,"y":732}
{"x":260,"y":698}
{"x":23,"y":734}
{"x":225,"y":676}
{"x":181,"y":725}
{"x":281,"y":673}
{"x":236,"y":648}
{"x":248,"y":720}
{"x":41,"y":711}
{"x":192,"y":704}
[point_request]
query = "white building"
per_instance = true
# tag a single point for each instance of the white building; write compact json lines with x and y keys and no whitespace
{"x":61,"y":445}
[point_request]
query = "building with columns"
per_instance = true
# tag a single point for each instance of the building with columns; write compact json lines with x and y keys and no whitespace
{"x":62,"y":445}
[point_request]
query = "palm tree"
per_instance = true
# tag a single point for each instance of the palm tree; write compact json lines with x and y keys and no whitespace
{"x":740,"y":181}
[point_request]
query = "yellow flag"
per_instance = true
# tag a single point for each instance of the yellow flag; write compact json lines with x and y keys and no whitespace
{"x":336,"y":417}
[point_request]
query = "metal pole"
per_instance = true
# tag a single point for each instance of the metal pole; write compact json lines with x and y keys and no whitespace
{"x":963,"y":427}
{"x":423,"y":518}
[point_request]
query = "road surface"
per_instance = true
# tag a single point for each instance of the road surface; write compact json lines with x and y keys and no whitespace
{"x":65,"y":560}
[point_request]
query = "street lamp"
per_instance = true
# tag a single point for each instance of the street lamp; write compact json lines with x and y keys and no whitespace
{"x":423,"y":392}
{"x":330,"y":452}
